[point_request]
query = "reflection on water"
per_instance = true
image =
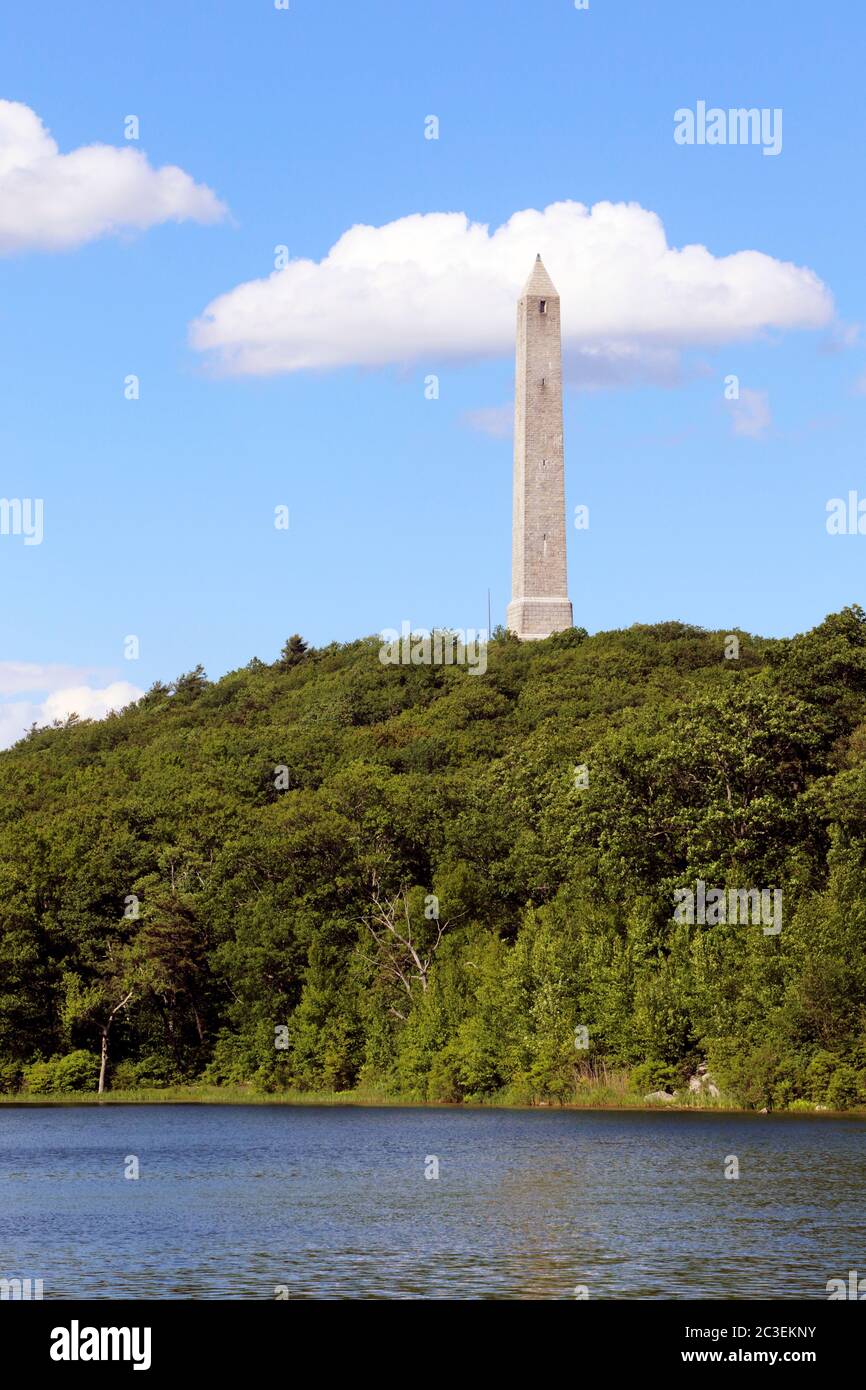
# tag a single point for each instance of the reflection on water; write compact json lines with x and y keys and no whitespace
{"x":233,"y":1202}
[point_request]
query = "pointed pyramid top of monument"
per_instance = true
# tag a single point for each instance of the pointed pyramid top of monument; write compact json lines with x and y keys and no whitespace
{"x":539,"y":282}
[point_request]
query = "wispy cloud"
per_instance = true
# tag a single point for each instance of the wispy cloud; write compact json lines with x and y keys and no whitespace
{"x":20,"y":677}
{"x":495,"y":420}
{"x":842,"y":337}
{"x":751,"y":415}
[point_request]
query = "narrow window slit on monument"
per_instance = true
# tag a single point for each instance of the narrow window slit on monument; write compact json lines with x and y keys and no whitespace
{"x":542,"y":306}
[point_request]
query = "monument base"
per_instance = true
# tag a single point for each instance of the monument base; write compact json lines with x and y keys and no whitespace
{"x":535,"y":618}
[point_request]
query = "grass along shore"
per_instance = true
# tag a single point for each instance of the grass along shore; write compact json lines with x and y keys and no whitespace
{"x":610,"y":1097}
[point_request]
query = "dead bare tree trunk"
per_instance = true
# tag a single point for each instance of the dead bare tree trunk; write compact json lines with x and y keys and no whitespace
{"x":391,"y":927}
{"x":103,"y":1061}
{"x":103,"y":1051}
{"x":198,"y":1027}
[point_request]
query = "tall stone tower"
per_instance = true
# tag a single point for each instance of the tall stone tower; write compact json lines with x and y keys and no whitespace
{"x":539,"y":582}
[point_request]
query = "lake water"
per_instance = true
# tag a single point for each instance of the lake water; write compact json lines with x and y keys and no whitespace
{"x":233,"y":1202}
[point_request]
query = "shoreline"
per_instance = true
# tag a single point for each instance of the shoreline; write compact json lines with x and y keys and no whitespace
{"x":241,"y":1096}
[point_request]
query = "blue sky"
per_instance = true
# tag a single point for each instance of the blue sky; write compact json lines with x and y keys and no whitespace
{"x":158,"y":512}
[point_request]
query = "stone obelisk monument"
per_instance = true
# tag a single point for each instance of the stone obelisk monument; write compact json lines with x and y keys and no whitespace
{"x":539,"y":582}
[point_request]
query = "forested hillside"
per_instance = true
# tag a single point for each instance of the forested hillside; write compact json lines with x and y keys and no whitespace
{"x":328,"y":873}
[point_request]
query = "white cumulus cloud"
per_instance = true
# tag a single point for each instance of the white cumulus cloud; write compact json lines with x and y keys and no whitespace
{"x":51,"y":201}
{"x":435,"y":285}
{"x":88,"y":702}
